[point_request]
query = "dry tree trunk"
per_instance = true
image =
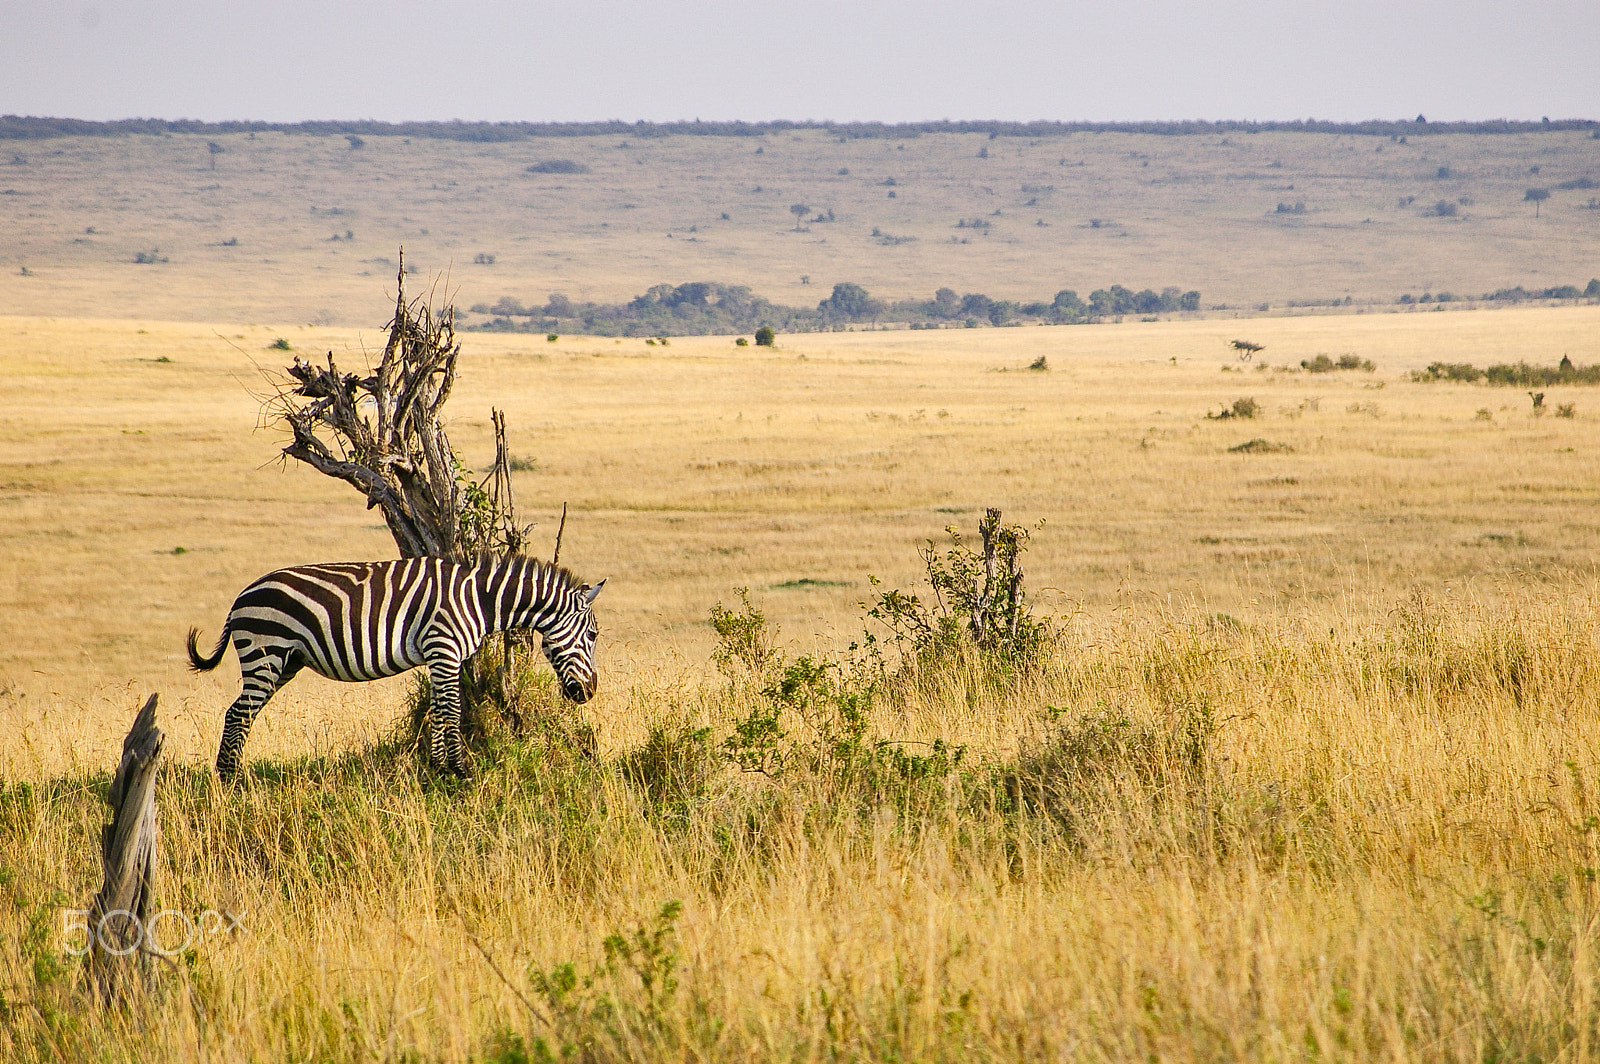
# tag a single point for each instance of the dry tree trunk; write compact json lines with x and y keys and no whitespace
{"x":997,"y":591}
{"x":999,"y":616}
{"x":500,"y":502}
{"x":118,"y":962}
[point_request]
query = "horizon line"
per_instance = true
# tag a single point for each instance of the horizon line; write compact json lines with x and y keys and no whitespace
{"x":38,"y":127}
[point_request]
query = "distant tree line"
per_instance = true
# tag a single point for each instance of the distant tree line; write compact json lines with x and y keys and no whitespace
{"x":1066,"y":308}
{"x":1513,"y":295}
{"x":705,"y":308}
{"x":700,"y":308}
{"x":22,"y":127}
{"x":1562,"y":291}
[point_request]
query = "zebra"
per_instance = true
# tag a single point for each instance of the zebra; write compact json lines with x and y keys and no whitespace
{"x":364,"y":620}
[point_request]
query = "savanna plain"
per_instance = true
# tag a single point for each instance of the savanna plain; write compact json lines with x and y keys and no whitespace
{"x":1307,"y":770}
{"x":291,"y":227}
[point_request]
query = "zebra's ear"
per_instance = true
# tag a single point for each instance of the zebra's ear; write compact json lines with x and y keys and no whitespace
{"x":591,"y":593}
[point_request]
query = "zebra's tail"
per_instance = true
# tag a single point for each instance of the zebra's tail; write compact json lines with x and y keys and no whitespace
{"x":199,"y":664}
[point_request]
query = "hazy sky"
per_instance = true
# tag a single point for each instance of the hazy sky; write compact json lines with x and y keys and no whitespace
{"x":889,"y":60}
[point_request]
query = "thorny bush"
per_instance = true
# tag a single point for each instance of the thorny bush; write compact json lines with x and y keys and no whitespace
{"x":978,"y":604}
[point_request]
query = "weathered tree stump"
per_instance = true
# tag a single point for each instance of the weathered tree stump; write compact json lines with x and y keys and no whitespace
{"x":118,"y":960}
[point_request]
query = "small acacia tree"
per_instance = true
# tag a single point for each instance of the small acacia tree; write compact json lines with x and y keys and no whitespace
{"x":1536,"y":196}
{"x":978,"y":602}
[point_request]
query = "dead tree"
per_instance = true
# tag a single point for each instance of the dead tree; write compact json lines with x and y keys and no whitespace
{"x":384,"y":435}
{"x":118,"y":959}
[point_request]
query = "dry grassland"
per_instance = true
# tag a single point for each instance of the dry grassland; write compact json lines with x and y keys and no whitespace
{"x":1193,"y":211}
{"x":1311,"y":775}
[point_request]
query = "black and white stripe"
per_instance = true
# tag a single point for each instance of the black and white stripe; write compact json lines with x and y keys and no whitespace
{"x":364,"y":620}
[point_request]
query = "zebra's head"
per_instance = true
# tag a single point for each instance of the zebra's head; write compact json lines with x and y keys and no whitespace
{"x":569,"y":642}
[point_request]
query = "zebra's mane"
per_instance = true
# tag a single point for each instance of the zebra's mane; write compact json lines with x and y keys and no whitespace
{"x":565,"y":579}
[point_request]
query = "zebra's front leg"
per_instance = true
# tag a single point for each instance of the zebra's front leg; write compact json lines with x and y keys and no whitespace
{"x":445,"y":748}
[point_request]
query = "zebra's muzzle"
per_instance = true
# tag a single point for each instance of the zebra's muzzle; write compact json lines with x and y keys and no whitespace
{"x":577,"y":691}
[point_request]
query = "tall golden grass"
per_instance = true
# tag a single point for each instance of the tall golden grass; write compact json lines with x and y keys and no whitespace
{"x":1309,"y":772}
{"x":1184,"y":838}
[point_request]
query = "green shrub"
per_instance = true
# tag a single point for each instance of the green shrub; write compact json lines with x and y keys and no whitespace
{"x":1324,"y":364}
{"x":814,"y":716}
{"x":1518,"y":375}
{"x":979,"y":602}
{"x":1448,"y":371}
{"x":607,"y":1009}
{"x":756,"y":744}
{"x":765,"y":337}
{"x":1260,"y":446}
{"x":828,"y":740}
{"x":745,"y":645}
{"x":1065,"y":774}
{"x":672,"y":769}
{"x":1242,"y":408}
{"x":558,"y":166}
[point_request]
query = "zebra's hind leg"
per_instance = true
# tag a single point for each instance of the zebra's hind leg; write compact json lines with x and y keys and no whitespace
{"x":445,"y":748}
{"x":259,"y":685}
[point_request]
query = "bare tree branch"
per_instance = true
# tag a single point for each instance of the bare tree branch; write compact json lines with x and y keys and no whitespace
{"x":384,"y":435}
